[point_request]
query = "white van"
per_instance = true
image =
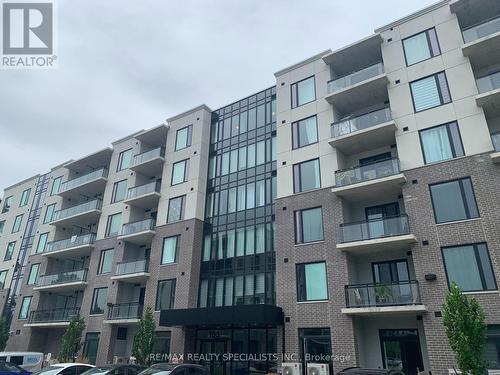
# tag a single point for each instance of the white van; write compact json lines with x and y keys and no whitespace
{"x":30,"y":361}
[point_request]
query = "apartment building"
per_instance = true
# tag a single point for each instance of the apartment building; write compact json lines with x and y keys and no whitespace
{"x":323,"y":218}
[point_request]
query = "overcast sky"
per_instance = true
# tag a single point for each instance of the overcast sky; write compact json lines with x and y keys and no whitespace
{"x":128,"y":65}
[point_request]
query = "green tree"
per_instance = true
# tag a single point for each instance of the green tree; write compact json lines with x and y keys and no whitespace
{"x":464,"y":323}
{"x":4,"y":334}
{"x":72,"y":339}
{"x":144,"y":338}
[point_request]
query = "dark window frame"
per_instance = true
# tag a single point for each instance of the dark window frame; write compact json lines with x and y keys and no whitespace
{"x":426,"y":31}
{"x":37,"y":274}
{"x":26,"y":192}
{"x":296,"y":130}
{"x":119,"y":166}
{"x":21,"y":308}
{"x":172,"y":294}
{"x":186,"y":172}
{"x":294,"y":90}
{"x":299,"y":171}
{"x":189,"y":137}
{"x":113,"y":194}
{"x":94,"y":300}
{"x":52,"y":192}
{"x":300,"y":297}
{"x":435,"y":75}
{"x":177,"y":248}
{"x":298,"y":225}
{"x":450,"y":138}
{"x":181,"y":214}
{"x":108,"y":225}
{"x":101,"y":258}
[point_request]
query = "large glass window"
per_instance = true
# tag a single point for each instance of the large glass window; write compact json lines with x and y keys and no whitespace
{"x":492,"y":350}
{"x":180,"y":172}
{"x":33,"y":273}
{"x":303,"y":92}
{"x":306,"y":176}
{"x":454,"y":200}
{"x":42,"y":242}
{"x":2,"y":225}
{"x":99,"y":300}
{"x":49,"y":213}
{"x":304,"y":132}
{"x":25,"y":307}
{"x":470,"y":267}
{"x":3,"y":276}
{"x":441,"y":143}
{"x":10,"y":250}
{"x":311,"y":282}
{"x":421,"y":47}
{"x":91,"y":346}
{"x":105,"y":261}
{"x":175,"y":209}
{"x":430,"y":92}
{"x":309,"y":225}
{"x":7,"y":204}
{"x":56,"y":185}
{"x":125,"y":159}
{"x":183,"y":137}
{"x":165,"y":294}
{"x":113,"y":225}
{"x":170,"y":249}
{"x":16,"y":227}
{"x":315,"y":343}
{"x":25,"y":197}
{"x":119,"y":191}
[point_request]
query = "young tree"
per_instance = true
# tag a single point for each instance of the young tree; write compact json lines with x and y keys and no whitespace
{"x":71,"y":340}
{"x":4,"y":334}
{"x":144,"y":338}
{"x":464,"y":323}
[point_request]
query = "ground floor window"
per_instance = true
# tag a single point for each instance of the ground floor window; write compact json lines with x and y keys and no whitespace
{"x":492,"y":351}
{"x":315,"y":345}
{"x":90,"y":346}
{"x":401,"y":350}
{"x":162,"y":343}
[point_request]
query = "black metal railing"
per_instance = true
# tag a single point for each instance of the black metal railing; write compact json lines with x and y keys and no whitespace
{"x":398,"y":293}
{"x":367,"y":120}
{"x":125,"y":311}
{"x":53,"y":315}
{"x":367,"y":172}
{"x":374,"y":228}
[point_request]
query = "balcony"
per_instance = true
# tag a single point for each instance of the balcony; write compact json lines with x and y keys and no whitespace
{"x":393,"y":298}
{"x":145,"y":196}
{"x":52,"y":317}
{"x":138,"y":232}
{"x":89,"y":185}
{"x":83,"y":214}
{"x":149,"y":163}
{"x":132,"y":272}
{"x":482,"y":39}
{"x":383,"y":234}
{"x":495,"y":156}
{"x":369,"y":180}
{"x":63,"y":282}
{"x":74,"y":247}
{"x":124,"y":313}
{"x":367,"y":131}
{"x":358,"y":89}
{"x":489,"y":90}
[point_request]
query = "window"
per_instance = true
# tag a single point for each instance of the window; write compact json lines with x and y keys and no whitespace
{"x":303,"y":92}
{"x":165,"y":295}
{"x":113,"y":225}
{"x":311,"y":282}
{"x":119,"y":191}
{"x":180,"y":172}
{"x":161,"y":342}
{"x":90,"y":346}
{"x":3,"y":276}
{"x":7,"y":204}
{"x":25,"y":197}
{"x":99,"y":299}
{"x":430,"y":92}
{"x":309,"y":225}
{"x":10,"y":250}
{"x":306,"y":176}
{"x":304,"y":132}
{"x":170,"y":247}
{"x":421,"y":47}
{"x":492,"y":350}
{"x":442,"y":142}
{"x":316,"y":343}
{"x":124,"y":160}
{"x":49,"y":213}
{"x":56,"y":185}
{"x":42,"y":242}
{"x":183,"y":137}
{"x":470,"y":267}
{"x":25,"y":308}
{"x":454,"y":200}
{"x":17,"y":223}
{"x":2,"y":225}
{"x":33,"y":273}
{"x":175,"y":209}
{"x":105,"y":261}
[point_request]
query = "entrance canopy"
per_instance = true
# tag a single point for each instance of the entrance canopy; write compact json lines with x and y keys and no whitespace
{"x":223,"y":316}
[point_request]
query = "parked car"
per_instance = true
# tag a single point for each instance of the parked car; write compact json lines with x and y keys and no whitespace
{"x":64,"y":369}
{"x":175,"y":369}
{"x":115,"y":370}
{"x":9,"y":368}
{"x":30,"y":361}
{"x":369,"y":371}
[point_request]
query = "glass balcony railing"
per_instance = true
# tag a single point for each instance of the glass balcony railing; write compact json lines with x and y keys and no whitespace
{"x":377,"y":295}
{"x":53,"y":315}
{"x":488,"y":83}
{"x":86,"y":239}
{"x":374,"y":228}
{"x":138,"y":226}
{"x":496,"y":141}
{"x":481,"y":30}
{"x":62,"y":278}
{"x":125,"y":311}
{"x":70,"y":184}
{"x":148,"y":188}
{"x":78,"y":209}
{"x":148,"y":155}
{"x":355,"y":77}
{"x":367,"y":172}
{"x":126,"y":268}
{"x":352,"y":124}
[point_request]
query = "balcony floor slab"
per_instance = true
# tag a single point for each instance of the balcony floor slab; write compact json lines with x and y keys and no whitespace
{"x":133,"y":278}
{"x":63,"y":287}
{"x":378,"y":244}
{"x":367,"y":189}
{"x":385,"y":310}
{"x":495,"y":156}
{"x":70,"y":252}
{"x":139,"y":238}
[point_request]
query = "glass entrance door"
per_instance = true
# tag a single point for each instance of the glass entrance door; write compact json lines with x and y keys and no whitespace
{"x":401,"y":350}
{"x":213,"y":351}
